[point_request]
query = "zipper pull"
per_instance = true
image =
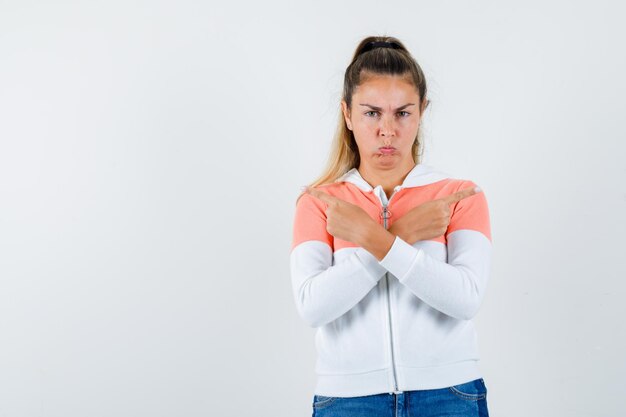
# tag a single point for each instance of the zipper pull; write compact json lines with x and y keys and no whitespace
{"x":385,"y":215}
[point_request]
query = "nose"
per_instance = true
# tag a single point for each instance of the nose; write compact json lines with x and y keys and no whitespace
{"x":387,"y":126}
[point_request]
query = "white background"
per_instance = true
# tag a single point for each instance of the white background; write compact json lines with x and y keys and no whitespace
{"x":150,"y":157}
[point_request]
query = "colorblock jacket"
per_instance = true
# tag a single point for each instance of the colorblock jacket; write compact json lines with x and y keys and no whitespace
{"x":405,"y":322}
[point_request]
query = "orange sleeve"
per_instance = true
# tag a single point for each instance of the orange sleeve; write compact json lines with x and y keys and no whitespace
{"x":310,"y":221}
{"x":471,"y":212}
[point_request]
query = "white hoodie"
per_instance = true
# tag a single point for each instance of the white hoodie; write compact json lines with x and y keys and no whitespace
{"x":402,"y":323}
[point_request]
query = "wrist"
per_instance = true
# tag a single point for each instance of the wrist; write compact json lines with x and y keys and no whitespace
{"x":409,"y":235}
{"x":378,"y":241}
{"x":395,"y":230}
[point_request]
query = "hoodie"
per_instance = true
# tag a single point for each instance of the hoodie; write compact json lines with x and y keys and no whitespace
{"x":402,"y":323}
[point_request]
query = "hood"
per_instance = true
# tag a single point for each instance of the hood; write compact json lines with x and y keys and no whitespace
{"x":421,"y":174}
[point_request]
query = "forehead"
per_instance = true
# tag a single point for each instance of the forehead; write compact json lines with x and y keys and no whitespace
{"x":391,"y":88}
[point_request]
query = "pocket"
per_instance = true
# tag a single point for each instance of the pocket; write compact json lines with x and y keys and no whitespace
{"x":473,"y":390}
{"x":321,"y":401}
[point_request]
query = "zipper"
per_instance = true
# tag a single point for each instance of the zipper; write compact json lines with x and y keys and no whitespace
{"x":385,"y":215}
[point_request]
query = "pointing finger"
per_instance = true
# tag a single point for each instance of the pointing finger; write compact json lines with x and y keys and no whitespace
{"x":320,"y":195}
{"x":460,"y":195}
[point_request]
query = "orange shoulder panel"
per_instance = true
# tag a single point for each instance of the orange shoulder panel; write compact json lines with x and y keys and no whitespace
{"x":310,"y":221}
{"x":471,"y":212}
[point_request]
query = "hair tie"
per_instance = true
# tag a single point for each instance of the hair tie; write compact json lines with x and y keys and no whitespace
{"x":379,"y":44}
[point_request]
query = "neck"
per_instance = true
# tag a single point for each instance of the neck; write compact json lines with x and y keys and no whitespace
{"x":388,"y":179}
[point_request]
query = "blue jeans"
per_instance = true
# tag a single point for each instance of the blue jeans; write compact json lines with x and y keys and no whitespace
{"x":464,"y":400}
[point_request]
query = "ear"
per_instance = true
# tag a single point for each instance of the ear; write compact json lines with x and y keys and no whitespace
{"x":425,"y":104}
{"x":346,"y":114}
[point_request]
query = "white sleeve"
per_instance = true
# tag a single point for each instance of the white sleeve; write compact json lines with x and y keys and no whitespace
{"x":455,"y":288}
{"x":324,"y":292}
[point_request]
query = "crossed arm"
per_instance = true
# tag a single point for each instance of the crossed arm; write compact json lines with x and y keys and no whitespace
{"x":324,"y":292}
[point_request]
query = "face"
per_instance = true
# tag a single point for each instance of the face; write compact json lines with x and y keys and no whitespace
{"x":385,"y":118}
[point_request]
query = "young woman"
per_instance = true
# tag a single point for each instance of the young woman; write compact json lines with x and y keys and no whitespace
{"x":390,"y":257}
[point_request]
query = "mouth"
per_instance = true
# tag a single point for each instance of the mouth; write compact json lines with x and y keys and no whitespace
{"x":386,"y":150}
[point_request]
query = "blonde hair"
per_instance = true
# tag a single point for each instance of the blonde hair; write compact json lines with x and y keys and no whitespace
{"x":368,"y":61}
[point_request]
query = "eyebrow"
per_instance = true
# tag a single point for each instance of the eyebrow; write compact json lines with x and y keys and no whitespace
{"x":380,"y":108}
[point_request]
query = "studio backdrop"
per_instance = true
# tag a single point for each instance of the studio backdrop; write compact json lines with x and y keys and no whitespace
{"x":151,"y":154}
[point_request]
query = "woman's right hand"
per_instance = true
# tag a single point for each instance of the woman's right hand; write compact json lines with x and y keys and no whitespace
{"x":430,"y":219}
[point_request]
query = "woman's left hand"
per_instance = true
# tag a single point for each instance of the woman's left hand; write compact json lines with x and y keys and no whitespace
{"x":345,"y":220}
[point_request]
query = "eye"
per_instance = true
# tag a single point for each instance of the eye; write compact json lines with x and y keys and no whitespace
{"x":367,"y":113}
{"x":405,"y":112}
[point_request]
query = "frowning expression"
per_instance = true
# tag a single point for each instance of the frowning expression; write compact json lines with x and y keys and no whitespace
{"x":384,"y":118}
